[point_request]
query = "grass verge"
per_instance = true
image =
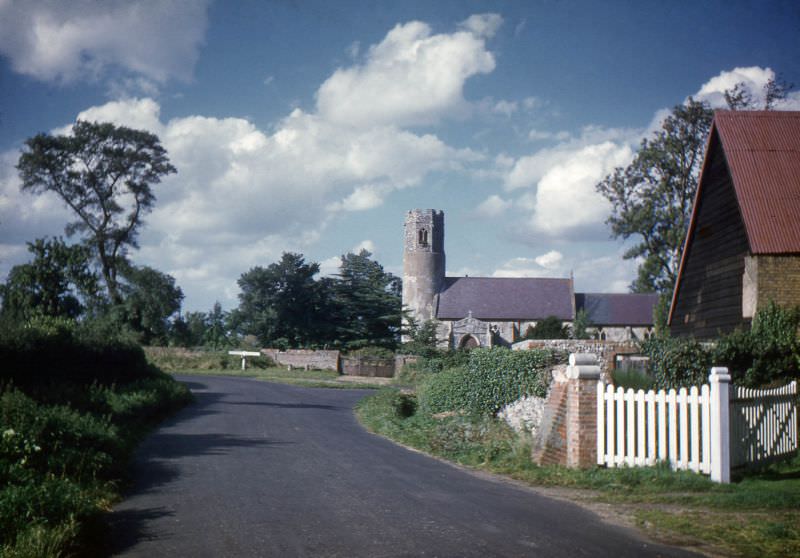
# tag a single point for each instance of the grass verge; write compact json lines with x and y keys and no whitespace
{"x":64,"y":451}
{"x":758,"y":515}
{"x":215,"y":363}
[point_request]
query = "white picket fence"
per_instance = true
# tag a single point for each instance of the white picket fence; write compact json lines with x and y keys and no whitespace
{"x":763,"y":424}
{"x":707,"y":430}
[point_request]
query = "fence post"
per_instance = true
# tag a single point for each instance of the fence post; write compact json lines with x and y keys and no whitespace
{"x":583,"y":374}
{"x":720,"y":382}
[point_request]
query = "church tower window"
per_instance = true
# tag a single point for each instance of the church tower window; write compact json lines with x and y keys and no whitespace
{"x":423,"y":237}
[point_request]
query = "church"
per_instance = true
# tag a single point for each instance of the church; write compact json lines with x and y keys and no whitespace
{"x":487,"y":311}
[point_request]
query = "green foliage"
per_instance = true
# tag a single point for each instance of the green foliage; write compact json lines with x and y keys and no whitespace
{"x":676,"y":362}
{"x":652,"y":197}
{"x":422,"y":335}
{"x":548,"y":328}
{"x":580,"y":325}
{"x":281,"y":301}
{"x":768,"y":353}
{"x":72,"y":408}
{"x":150,"y":299}
{"x":52,"y":284}
{"x":443,"y":359}
{"x":631,"y":378}
{"x":48,"y":351}
{"x":493,"y":378}
{"x":174,"y":359}
{"x":367,"y":302}
{"x":103,"y":173}
{"x":284,"y":306}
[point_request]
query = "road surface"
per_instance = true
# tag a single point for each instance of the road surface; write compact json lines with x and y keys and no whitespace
{"x":260,"y":469}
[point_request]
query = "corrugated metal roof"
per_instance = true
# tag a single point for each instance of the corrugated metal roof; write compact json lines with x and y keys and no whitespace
{"x":762,"y":149}
{"x":613,"y":309}
{"x":505,"y":298}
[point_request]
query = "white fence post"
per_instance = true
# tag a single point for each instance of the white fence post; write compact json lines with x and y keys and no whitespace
{"x":720,"y":382}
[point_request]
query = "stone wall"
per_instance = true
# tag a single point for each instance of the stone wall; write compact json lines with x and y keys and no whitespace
{"x":606,"y":351}
{"x":304,"y":358}
{"x":367,"y":366}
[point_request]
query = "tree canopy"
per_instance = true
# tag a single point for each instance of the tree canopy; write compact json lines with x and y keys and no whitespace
{"x":104,"y":174}
{"x":285,"y":305}
{"x":57,"y":282}
{"x":652,"y":198}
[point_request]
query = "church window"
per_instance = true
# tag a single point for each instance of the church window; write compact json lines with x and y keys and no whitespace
{"x":423,"y":237}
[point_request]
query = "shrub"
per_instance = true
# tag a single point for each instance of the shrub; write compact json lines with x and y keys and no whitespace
{"x":768,"y":353}
{"x":676,"y":362}
{"x":492,"y":378}
{"x":549,"y":328}
{"x":444,"y":392}
{"x":34,"y":356}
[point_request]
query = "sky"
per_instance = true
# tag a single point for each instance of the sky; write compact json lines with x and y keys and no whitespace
{"x":313,"y":126}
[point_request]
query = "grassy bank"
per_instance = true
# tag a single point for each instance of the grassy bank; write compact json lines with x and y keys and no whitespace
{"x":219,"y":363}
{"x":72,"y":410}
{"x":758,"y":515}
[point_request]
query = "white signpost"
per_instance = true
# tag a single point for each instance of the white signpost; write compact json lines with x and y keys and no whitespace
{"x":244,"y":355}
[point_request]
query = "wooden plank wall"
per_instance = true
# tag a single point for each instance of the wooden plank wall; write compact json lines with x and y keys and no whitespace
{"x":709,"y":300}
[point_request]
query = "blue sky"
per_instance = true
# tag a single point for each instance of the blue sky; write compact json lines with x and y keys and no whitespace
{"x":313,"y":126}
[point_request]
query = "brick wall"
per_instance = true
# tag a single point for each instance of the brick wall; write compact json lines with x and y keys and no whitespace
{"x":778,"y":280}
{"x":304,"y":358}
{"x":568,"y":433}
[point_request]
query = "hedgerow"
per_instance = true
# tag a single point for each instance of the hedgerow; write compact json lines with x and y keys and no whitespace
{"x":492,"y":378}
{"x":71,"y":412}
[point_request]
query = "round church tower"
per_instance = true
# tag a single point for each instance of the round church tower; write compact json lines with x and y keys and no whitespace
{"x":423,"y":262}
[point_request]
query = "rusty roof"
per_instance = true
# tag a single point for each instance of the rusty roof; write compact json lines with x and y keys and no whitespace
{"x":762,"y":149}
{"x":505,"y":298}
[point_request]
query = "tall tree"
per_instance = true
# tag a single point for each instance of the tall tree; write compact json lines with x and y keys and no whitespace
{"x":282,"y":303}
{"x":151,"y":298}
{"x":103,"y":173}
{"x":652,"y":197}
{"x":739,"y":96}
{"x":57,"y":282}
{"x":368,"y":302}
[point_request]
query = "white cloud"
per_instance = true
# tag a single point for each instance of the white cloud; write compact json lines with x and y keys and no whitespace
{"x":753,"y":79}
{"x":84,"y":39}
{"x":482,"y":25}
{"x":367,"y":245}
{"x":546,"y":265}
{"x":243,"y":195}
{"x":411,"y":77}
{"x":566,"y":197}
{"x":493,"y":206}
{"x":506,"y":108}
{"x":550,"y":260}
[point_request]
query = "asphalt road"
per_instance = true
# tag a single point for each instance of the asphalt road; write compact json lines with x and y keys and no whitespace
{"x":260,"y":469}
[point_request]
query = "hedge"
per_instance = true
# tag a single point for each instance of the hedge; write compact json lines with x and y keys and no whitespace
{"x":492,"y":379}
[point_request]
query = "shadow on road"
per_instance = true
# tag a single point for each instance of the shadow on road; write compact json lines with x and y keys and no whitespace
{"x":287,"y":405}
{"x":130,"y":527}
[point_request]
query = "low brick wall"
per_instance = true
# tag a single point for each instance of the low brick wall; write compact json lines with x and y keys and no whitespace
{"x":366,"y":366}
{"x":568,"y":433}
{"x":606,"y":351}
{"x":304,"y":358}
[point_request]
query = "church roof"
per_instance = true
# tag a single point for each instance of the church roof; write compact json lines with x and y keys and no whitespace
{"x":607,"y":309}
{"x":505,"y":298}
